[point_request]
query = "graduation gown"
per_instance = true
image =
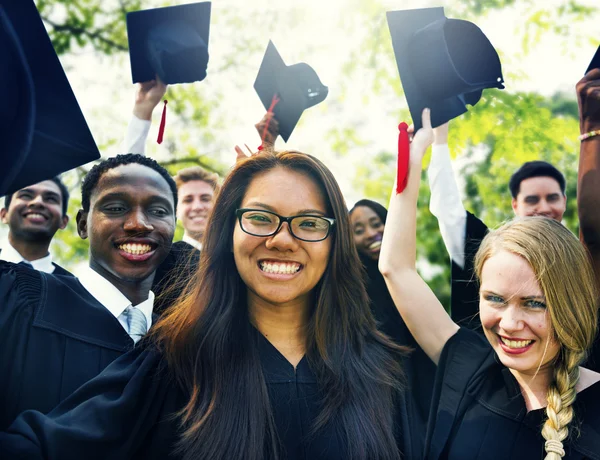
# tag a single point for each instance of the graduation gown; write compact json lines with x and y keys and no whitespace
{"x":171,"y":275}
{"x":54,"y":336}
{"x":127,"y":413}
{"x":478,"y":412}
{"x":419,"y":369}
{"x":58,"y":270}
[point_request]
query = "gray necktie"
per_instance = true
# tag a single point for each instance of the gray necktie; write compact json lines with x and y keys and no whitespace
{"x":136,"y":321}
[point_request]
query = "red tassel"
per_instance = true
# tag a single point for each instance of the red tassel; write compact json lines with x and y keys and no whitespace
{"x":274,"y":102}
{"x":163,"y":121}
{"x":403,"y":156}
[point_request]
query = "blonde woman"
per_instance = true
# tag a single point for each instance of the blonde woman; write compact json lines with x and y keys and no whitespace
{"x":520,"y":392}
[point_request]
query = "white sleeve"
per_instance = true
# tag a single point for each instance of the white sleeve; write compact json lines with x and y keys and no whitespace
{"x":446,"y":204}
{"x":137,"y":133}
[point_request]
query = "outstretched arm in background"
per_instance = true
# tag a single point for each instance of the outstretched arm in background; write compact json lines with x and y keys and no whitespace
{"x":420,"y":309}
{"x":445,"y":202}
{"x":268,"y":130}
{"x":147,"y":97}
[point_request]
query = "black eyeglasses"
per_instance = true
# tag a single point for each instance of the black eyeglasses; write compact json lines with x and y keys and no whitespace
{"x":257,"y":222}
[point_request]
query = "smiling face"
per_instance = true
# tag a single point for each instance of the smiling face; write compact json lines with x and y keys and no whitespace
{"x":130,"y":223}
{"x":367,"y":229}
{"x":196,"y":199}
{"x":35,"y":212}
{"x":514,"y":314}
{"x":281,"y":269}
{"x":540,"y":196}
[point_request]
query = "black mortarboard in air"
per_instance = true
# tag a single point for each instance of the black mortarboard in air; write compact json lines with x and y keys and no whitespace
{"x":444,"y":64}
{"x":42,"y":130}
{"x":595,"y":63}
{"x":170,"y":42}
{"x":296,"y":86}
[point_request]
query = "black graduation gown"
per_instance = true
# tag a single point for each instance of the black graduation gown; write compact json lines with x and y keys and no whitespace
{"x":126,"y":413}
{"x":420,"y":370}
{"x":478,"y":412}
{"x":464,"y":301}
{"x":180,"y":265}
{"x":54,"y":336}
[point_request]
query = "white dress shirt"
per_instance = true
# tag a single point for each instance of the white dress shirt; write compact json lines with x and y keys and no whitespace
{"x":136,"y":136}
{"x":189,"y":240}
{"x":10,"y":254}
{"x":113,"y":299}
{"x":446,"y":204}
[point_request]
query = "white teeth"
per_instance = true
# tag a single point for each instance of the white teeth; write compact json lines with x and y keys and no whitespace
{"x":515,"y":343}
{"x":35,"y":216}
{"x":280,"y":268}
{"x":375,"y":244}
{"x":136,"y":249}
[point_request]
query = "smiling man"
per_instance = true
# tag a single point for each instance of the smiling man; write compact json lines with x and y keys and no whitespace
{"x":57,"y":332}
{"x":34,"y":214}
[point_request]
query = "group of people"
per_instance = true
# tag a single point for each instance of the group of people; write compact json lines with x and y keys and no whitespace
{"x":285,"y":326}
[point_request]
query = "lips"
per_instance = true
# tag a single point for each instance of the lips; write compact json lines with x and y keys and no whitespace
{"x":515,"y":346}
{"x":35,"y":216}
{"x":374,"y":245}
{"x":279,"y":267}
{"x":136,"y":250}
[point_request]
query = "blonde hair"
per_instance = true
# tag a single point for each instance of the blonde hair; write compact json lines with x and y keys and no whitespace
{"x":197,"y":173}
{"x":564,"y":273}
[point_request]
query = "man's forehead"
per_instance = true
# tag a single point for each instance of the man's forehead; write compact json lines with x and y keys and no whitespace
{"x":196,"y":187}
{"x":132,"y":179}
{"x":42,"y":187}
{"x":541,"y":185}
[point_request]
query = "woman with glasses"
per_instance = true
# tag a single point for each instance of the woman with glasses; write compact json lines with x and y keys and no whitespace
{"x":272,"y":353}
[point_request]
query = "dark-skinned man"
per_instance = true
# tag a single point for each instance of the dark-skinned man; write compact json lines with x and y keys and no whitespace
{"x":58,"y":332}
{"x":34,"y":214}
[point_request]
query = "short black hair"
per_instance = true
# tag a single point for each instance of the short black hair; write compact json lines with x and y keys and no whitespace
{"x":535,"y":169}
{"x":376,"y":207}
{"x":90,"y":181}
{"x":64,"y":192}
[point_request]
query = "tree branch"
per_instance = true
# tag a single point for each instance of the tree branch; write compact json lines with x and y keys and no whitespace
{"x":93,"y":35}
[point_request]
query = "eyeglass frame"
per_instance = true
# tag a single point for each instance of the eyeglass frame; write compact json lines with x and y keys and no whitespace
{"x":240,"y":212}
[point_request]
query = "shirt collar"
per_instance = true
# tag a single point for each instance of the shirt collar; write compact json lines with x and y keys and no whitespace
{"x":10,"y":254}
{"x":189,"y":240}
{"x":108,"y":295}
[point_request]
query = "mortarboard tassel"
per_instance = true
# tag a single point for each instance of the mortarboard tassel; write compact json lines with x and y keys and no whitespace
{"x":274,"y":102}
{"x":403,"y":156}
{"x":163,"y":121}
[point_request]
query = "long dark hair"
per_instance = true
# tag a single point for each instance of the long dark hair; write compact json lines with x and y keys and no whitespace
{"x":206,"y":337}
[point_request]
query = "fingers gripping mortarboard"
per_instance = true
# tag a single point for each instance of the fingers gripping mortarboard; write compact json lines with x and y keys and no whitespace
{"x":297,"y":88}
{"x":444,"y":64}
{"x":42,"y":128}
{"x":170,"y":42}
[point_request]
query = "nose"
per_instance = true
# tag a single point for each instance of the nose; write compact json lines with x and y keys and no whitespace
{"x":38,"y":200}
{"x":512,"y":319}
{"x":283,"y":240}
{"x":197,"y":204}
{"x":370,"y":232}
{"x":137,"y":222}
{"x":544,"y":207}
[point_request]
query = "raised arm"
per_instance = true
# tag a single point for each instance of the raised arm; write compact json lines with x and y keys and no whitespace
{"x":588,"y":183}
{"x":420,"y":309}
{"x":445,"y":202}
{"x":147,"y":97}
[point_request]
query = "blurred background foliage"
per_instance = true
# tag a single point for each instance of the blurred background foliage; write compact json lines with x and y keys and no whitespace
{"x":504,"y":130}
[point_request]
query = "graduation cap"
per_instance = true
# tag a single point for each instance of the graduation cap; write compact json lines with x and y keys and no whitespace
{"x":42,"y":129}
{"x":170,"y":42}
{"x":296,"y":88}
{"x":595,"y":63}
{"x":444,"y":64}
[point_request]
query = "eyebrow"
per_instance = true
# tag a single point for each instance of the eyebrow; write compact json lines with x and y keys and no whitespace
{"x":128,"y":196}
{"x":528,"y":297}
{"x":272,"y":209}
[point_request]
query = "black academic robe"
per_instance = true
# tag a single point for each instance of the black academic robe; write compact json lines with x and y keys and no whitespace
{"x":173,"y":273}
{"x":54,"y":336}
{"x":127,"y":413}
{"x":420,"y":370}
{"x":478,"y":412}
{"x":58,"y":270}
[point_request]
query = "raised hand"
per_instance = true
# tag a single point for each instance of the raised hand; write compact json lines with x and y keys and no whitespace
{"x":421,"y":140}
{"x":268,"y":130}
{"x":147,"y":96}
{"x":588,"y":97}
